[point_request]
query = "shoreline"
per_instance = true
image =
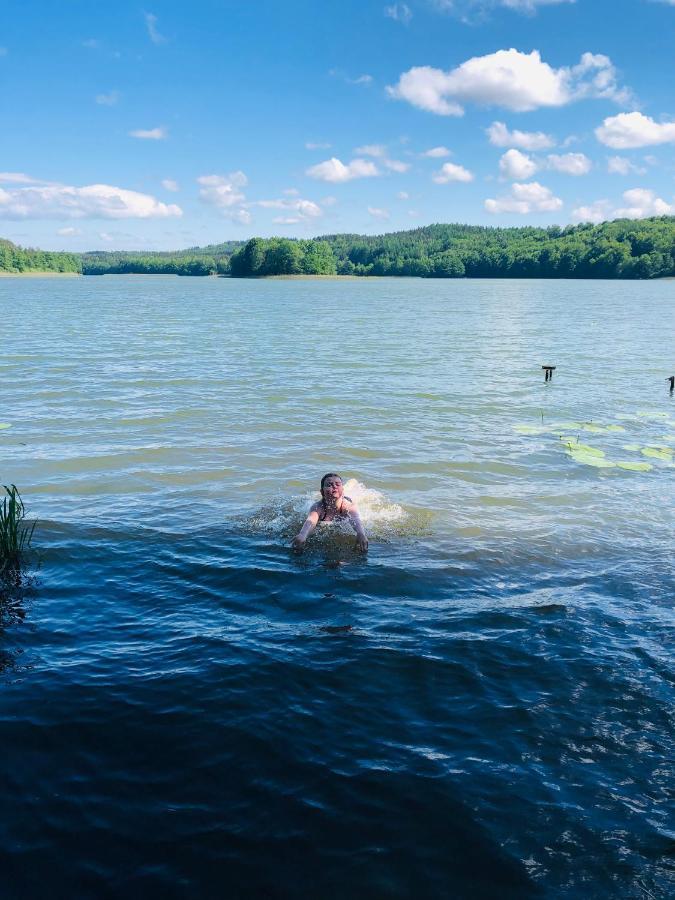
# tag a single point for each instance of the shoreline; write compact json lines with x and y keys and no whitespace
{"x":36,"y":273}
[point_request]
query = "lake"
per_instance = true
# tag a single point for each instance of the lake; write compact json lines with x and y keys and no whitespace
{"x":480,"y":707}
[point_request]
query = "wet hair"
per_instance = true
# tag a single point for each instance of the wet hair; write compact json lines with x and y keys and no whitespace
{"x":325,"y":479}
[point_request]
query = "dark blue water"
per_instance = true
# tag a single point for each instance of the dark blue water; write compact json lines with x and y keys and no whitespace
{"x":481,"y":707}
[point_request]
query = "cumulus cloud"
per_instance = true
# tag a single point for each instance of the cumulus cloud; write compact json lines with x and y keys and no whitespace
{"x":525,"y":198}
{"x":170,"y":185}
{"x":150,"y":134}
{"x":377,"y":150}
{"x":396,"y":165}
{"x":508,"y":78}
{"x":629,"y":130}
{"x":619,"y":165}
{"x":68,"y":232}
{"x":517,"y":165}
{"x":500,"y":136}
{"x":301,"y":210}
{"x":569,"y":163}
{"x":378,"y":213}
{"x":153,"y":32}
{"x":224,"y":192}
{"x":596,"y":212}
{"x":109,"y":99}
{"x":452,"y":172}
{"x":93,"y":201}
{"x":641,"y":203}
{"x":399,"y":12}
{"x":334,"y":170}
{"x":403,"y":195}
{"x":436,"y":153}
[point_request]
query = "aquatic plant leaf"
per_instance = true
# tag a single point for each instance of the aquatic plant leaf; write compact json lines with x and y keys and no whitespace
{"x":635,"y":466}
{"x":658,"y":452}
{"x":576,"y":447}
{"x":591,"y":459}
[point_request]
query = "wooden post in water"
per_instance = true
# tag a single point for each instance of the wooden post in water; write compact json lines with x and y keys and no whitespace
{"x":549,"y":372}
{"x":672,"y":383}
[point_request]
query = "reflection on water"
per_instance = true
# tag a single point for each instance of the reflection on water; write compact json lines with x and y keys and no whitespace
{"x":481,"y":706}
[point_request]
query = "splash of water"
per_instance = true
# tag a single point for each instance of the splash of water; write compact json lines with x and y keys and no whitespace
{"x":382,"y":518}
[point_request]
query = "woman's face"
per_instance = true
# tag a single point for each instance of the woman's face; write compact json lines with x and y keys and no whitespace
{"x":332,"y":488}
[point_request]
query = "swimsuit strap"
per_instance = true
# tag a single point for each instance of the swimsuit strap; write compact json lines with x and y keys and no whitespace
{"x":322,"y":517}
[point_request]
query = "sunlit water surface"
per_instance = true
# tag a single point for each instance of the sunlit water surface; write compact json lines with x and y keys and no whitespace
{"x":481,"y":707}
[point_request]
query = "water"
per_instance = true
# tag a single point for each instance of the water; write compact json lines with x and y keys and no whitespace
{"x":482,"y":707}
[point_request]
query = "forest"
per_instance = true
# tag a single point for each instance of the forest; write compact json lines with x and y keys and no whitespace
{"x":624,"y":248}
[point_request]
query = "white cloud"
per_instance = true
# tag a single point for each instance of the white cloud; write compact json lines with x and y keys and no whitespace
{"x":93,"y":201}
{"x":403,"y":195}
{"x":378,"y":213}
{"x":109,"y":99}
{"x":436,"y":153}
{"x":642,"y":203}
{"x":396,"y":165}
{"x":377,"y":150}
{"x":334,"y":170}
{"x":500,"y":136}
{"x":569,"y":163}
{"x":451,"y":172}
{"x":311,"y":145}
{"x":399,"y":12}
{"x":508,"y":78}
{"x":619,"y":165}
{"x":241,"y":217}
{"x":170,"y":185}
{"x":361,"y":79}
{"x":596,"y":212}
{"x":150,"y":134}
{"x":151,"y":25}
{"x":630,"y":130}
{"x":525,"y":198}
{"x":470,"y":10}
{"x":18,"y":178}
{"x":68,"y":232}
{"x":286,"y":220}
{"x":517,"y":165}
{"x":291,"y":192}
{"x":303,"y":209}
{"x":225,"y":193}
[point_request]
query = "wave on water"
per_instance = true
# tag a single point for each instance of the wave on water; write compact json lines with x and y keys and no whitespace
{"x":383,"y":518}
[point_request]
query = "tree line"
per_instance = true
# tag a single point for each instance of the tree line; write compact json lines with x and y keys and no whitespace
{"x":624,"y":248}
{"x":18,"y":259}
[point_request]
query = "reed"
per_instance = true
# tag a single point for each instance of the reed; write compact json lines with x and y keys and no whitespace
{"x":15,"y":532}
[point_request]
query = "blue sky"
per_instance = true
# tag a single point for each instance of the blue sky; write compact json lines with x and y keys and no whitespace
{"x":171,"y":125}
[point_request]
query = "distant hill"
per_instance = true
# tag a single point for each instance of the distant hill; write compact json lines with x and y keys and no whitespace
{"x":624,"y":248}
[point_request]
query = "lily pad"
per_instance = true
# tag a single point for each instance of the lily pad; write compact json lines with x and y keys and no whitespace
{"x":658,"y":453}
{"x":576,"y":447}
{"x":591,"y":459}
{"x":635,"y":466}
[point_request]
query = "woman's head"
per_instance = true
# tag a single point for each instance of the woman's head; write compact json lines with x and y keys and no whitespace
{"x":331,"y":486}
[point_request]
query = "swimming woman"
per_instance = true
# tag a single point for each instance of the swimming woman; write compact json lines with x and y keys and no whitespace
{"x":332,"y":505}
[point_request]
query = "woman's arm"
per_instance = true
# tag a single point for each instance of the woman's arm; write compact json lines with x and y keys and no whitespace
{"x":357,"y":525}
{"x":309,"y":526}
